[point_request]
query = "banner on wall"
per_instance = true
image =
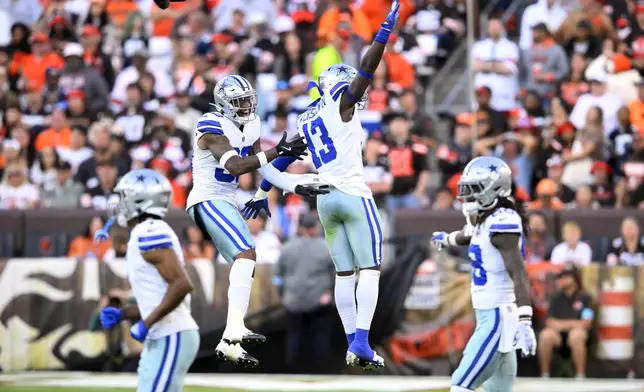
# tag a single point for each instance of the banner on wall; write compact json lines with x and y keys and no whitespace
{"x":46,"y":306}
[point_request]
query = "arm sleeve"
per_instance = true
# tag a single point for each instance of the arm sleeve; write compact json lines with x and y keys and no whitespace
{"x":281,"y":164}
{"x":277,"y":178}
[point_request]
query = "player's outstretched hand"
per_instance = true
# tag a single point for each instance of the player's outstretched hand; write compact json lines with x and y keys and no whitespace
{"x":310,"y":191}
{"x":139,"y":331}
{"x":439,"y":239}
{"x":103,"y":234}
{"x":392,"y":16}
{"x":254,"y":206}
{"x":295,"y":148}
{"x":110,"y":317}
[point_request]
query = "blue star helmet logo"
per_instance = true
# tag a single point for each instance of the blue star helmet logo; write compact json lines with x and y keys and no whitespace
{"x":140,"y":178}
{"x":492,"y":168}
{"x":224,"y":85}
{"x":342,"y":69}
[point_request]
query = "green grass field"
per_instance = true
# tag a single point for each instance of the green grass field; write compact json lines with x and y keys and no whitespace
{"x":5,"y":388}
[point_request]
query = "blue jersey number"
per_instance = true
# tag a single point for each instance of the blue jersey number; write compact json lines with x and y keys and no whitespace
{"x":479,"y":276}
{"x":222,"y":175}
{"x":322,"y":149}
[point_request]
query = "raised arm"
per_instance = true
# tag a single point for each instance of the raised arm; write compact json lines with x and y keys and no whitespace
{"x":369,"y":63}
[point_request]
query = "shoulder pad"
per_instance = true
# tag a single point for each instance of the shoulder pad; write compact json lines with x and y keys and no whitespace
{"x":211,"y":123}
{"x":504,"y":220}
{"x":153,"y":234}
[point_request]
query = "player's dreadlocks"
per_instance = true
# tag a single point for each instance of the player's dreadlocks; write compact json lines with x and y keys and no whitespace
{"x":510,"y":203}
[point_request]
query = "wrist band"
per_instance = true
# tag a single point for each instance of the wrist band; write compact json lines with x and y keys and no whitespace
{"x":351,"y":97}
{"x":226,"y":157}
{"x":261,"y":194}
{"x":262,"y":158}
{"x":383,"y":35}
{"x":451,"y":238}
{"x":364,"y":74}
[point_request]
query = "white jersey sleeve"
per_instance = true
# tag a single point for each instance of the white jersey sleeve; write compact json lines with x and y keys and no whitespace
{"x":504,"y":220}
{"x":209,"y":123}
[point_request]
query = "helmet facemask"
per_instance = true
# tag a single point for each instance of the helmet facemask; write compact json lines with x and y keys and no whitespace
{"x":244,"y":108}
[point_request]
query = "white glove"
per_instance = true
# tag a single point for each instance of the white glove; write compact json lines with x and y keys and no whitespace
{"x":525,"y":337}
{"x":439,"y":239}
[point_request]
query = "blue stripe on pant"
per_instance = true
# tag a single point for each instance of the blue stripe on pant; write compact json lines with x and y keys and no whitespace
{"x":222,"y":222}
{"x":352,"y":230}
{"x":164,"y":362}
{"x":482,"y":362}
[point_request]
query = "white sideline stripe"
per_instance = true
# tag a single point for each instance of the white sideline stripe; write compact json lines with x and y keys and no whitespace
{"x":314,"y":383}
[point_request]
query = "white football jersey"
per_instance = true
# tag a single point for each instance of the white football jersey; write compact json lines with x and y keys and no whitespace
{"x":335,"y":146}
{"x":491,"y":284}
{"x":210,"y":180}
{"x":148,"y":286}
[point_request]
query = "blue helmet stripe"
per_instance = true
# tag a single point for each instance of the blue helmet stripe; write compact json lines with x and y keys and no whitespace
{"x":239,"y":81}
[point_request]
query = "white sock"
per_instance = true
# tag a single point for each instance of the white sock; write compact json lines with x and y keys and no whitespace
{"x":345,"y":301}
{"x":240,"y":283}
{"x":367,"y":295}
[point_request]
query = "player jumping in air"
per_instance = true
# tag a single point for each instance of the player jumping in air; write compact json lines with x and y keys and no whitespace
{"x":155,"y":269}
{"x":494,"y":232}
{"x":226,"y":146}
{"x":349,"y":215}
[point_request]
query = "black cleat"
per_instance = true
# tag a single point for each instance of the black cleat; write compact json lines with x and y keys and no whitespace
{"x":245,"y":338}
{"x":234,"y":353}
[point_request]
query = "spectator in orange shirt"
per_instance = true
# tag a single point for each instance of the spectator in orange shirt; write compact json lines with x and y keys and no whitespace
{"x":32,"y":67}
{"x":163,"y":167}
{"x":329,"y":21}
{"x":376,"y":11}
{"x":84,"y":246}
{"x":399,"y":70}
{"x":58,"y":135}
{"x":546,"y":199}
{"x":636,"y":108}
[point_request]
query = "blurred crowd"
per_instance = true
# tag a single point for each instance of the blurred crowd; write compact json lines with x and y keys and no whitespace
{"x":90,"y":89}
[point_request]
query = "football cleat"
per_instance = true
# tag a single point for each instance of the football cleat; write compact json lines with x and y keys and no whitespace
{"x":243,"y":336}
{"x":368,"y":365}
{"x":236,"y":354}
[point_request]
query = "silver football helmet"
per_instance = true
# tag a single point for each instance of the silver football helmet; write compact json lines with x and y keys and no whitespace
{"x":484,"y":181}
{"x":340,"y":72}
{"x":236,"y":99}
{"x":141,"y":191}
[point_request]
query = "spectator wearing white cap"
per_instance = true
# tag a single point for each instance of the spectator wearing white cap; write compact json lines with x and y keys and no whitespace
{"x":609,"y":103}
{"x":620,"y":82}
{"x":77,"y":76}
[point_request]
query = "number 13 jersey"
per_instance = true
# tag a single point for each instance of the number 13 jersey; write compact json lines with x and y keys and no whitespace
{"x":491,"y":284}
{"x":335,"y":146}
{"x":210,"y":180}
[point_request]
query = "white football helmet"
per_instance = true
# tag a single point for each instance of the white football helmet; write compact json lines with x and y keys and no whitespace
{"x":340,"y":72}
{"x":484,"y":180}
{"x":236,"y":99}
{"x":141,"y":191}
